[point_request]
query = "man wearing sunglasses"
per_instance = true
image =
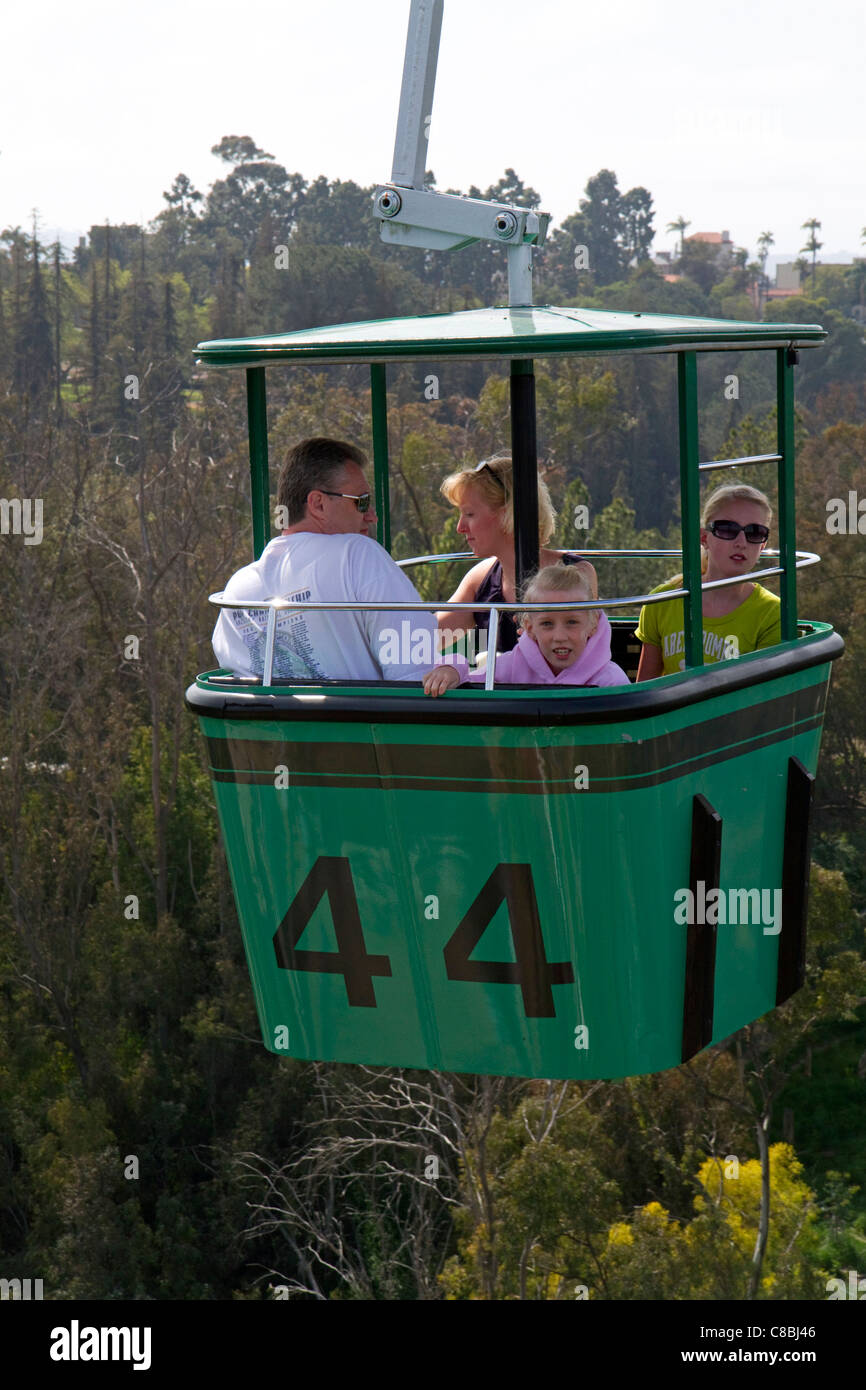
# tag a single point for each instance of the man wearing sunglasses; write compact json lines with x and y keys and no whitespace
{"x":325,"y":554}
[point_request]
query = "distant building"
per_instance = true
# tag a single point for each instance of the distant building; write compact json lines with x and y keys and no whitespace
{"x":664,"y":262}
{"x":788,"y":280}
{"x":722,"y":244}
{"x":788,"y":284}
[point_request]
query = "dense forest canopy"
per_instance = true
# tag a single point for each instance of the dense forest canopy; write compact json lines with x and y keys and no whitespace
{"x":149,"y":1146}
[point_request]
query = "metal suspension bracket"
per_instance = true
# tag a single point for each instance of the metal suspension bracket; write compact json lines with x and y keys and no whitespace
{"x":444,"y":221}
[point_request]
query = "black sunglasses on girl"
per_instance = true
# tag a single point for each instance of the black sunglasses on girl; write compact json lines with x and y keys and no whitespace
{"x":729,"y":530}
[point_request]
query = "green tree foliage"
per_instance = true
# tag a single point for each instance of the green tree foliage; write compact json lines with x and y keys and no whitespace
{"x":599,"y":226}
{"x":613,"y":528}
{"x":698,"y":261}
{"x":537,"y":1202}
{"x":830,"y":469}
{"x":337,"y":213}
{"x":646,"y":291}
{"x":637,"y":231}
{"x":840,"y":362}
{"x":729,"y":297}
{"x":614,"y":228}
{"x":842,"y":1229}
{"x":181,"y":214}
{"x":256,"y":185}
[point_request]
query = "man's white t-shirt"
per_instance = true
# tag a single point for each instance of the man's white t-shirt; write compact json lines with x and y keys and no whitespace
{"x":315,"y":568}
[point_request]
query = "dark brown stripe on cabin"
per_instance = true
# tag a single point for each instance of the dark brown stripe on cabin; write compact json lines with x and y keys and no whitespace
{"x":612,"y":767}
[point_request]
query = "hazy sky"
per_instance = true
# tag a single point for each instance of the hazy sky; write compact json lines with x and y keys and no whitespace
{"x":745,"y":114}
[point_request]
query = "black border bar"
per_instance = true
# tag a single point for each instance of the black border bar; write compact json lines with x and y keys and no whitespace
{"x":791,"y":969}
{"x":705,"y":867}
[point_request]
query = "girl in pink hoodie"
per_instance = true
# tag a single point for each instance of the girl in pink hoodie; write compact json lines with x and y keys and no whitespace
{"x":555,"y":648}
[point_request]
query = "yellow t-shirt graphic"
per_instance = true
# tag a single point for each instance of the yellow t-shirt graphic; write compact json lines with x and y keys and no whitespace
{"x":754,"y":624}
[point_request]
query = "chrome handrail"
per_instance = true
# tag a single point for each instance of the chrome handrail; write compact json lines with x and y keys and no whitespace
{"x":605,"y":554}
{"x":738,"y":463}
{"x":599,"y":554}
{"x":436,"y":559}
{"x":804,"y":558}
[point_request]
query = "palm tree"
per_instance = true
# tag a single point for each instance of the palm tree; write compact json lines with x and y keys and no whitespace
{"x":679,"y":225}
{"x":813,"y":244}
{"x":802,"y":265}
{"x":765,"y":241}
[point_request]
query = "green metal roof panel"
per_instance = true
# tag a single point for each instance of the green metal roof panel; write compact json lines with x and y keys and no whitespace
{"x":526,"y":332}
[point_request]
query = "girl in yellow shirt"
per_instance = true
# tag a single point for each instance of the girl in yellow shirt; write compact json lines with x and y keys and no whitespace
{"x":735,"y":527}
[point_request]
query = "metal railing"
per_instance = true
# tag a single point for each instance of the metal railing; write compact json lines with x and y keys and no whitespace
{"x":736,"y":463}
{"x":275,"y":606}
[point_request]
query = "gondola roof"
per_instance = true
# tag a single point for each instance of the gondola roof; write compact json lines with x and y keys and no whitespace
{"x":506,"y":332}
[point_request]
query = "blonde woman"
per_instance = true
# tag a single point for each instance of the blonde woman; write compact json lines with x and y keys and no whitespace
{"x":484,"y":498}
{"x":735,"y":527}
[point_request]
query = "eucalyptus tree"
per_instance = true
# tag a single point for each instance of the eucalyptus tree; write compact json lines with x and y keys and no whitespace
{"x":638,"y":233}
{"x":256,"y":184}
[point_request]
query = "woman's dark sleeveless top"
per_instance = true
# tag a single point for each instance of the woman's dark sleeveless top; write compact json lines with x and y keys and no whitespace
{"x":490,"y":591}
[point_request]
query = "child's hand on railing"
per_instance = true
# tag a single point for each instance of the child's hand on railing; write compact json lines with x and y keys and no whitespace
{"x":440,"y":679}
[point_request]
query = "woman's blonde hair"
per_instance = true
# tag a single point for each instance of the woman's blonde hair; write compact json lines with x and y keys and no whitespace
{"x":556,"y":579}
{"x":493,"y":479}
{"x":734,"y":492}
{"x":715,"y":503}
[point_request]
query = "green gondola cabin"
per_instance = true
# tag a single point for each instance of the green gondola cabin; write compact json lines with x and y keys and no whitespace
{"x":488,"y":882}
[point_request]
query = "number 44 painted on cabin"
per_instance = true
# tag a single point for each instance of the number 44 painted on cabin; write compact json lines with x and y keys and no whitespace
{"x":508,"y":883}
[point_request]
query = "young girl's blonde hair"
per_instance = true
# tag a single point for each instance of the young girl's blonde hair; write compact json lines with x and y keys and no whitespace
{"x":493,"y":479}
{"x":715,"y":503}
{"x":734,"y":492}
{"x":556,"y":579}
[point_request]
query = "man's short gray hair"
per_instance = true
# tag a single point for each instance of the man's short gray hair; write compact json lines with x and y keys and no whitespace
{"x":314,"y":463}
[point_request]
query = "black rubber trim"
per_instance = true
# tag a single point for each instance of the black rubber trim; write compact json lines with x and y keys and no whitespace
{"x":611,"y":705}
